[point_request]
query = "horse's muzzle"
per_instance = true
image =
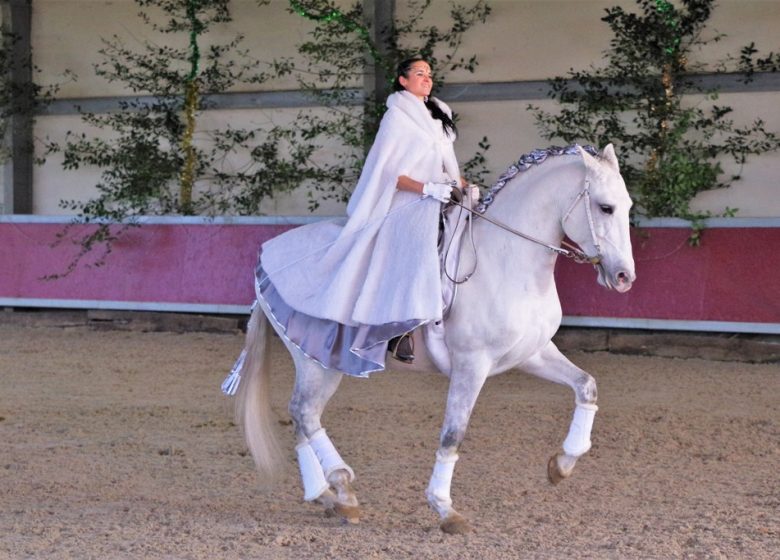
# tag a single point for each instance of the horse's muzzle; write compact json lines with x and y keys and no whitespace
{"x":620,"y":280}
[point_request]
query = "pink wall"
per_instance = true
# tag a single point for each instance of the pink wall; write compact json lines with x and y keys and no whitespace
{"x":174,"y":264}
{"x":733,"y":277}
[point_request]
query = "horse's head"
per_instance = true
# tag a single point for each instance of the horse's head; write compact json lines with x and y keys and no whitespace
{"x":597,"y":219}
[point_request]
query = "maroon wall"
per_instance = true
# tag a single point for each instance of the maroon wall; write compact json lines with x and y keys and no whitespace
{"x":734,"y":276}
{"x":177,"y":264}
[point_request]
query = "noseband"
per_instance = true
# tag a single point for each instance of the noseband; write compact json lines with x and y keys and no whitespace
{"x":531,"y":159}
{"x":577,"y":254}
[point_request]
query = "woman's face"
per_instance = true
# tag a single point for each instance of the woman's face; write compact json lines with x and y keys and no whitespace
{"x":418,"y":80}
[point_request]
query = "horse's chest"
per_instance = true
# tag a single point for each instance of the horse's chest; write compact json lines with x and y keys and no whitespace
{"x":522,"y":337}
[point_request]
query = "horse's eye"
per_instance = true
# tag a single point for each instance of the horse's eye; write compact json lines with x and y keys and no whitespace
{"x":607,"y":209}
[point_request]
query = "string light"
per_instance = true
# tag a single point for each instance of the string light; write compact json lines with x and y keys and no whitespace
{"x":191,"y":98}
{"x":332,"y":15}
{"x":664,"y":7}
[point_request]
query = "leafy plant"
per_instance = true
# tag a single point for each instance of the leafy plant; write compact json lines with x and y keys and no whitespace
{"x":153,"y":162}
{"x":334,"y":60}
{"x":20,"y":98}
{"x":156,"y":160}
{"x":672,"y":149}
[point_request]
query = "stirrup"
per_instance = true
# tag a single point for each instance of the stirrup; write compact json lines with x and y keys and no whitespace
{"x":402,"y":348}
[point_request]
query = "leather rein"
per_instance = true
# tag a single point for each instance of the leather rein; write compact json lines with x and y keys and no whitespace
{"x":566,"y":249}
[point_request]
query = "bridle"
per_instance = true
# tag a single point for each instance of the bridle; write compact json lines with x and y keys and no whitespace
{"x":576,"y":253}
{"x":566,"y":249}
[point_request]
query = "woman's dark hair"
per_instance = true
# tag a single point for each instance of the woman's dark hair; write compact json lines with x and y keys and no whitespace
{"x":433,"y":107}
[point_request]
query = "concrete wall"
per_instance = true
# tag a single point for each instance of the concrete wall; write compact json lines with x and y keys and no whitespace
{"x":522,"y":40}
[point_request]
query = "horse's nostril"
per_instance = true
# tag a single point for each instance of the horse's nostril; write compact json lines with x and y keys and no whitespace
{"x":623,"y":277}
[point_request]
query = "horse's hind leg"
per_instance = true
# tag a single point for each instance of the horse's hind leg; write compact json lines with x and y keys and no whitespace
{"x":550,"y":364}
{"x":326,"y":477}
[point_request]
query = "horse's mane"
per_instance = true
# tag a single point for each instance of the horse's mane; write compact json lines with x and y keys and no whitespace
{"x":525,"y":162}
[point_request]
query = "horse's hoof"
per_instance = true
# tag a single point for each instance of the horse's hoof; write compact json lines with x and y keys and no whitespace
{"x":350,"y":514}
{"x":554,"y":472}
{"x":455,"y":524}
{"x":328,"y":500}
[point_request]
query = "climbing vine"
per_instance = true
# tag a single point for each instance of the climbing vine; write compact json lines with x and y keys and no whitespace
{"x":671,"y":149}
{"x":334,"y":59}
{"x":21,"y":98}
{"x":190,"y":107}
{"x":157,"y":159}
{"x":153,"y":162}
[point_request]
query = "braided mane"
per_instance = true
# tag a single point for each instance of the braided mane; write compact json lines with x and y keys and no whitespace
{"x":526,"y":161}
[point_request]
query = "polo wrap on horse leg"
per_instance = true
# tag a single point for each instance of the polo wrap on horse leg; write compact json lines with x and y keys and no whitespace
{"x":577,"y":442}
{"x":328,"y":455}
{"x":441,"y":480}
{"x":314,"y":483}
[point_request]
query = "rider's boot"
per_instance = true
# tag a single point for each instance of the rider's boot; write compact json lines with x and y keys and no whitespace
{"x":402,"y":348}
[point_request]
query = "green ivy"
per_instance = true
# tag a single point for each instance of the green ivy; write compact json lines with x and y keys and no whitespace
{"x":334,"y":60}
{"x":670,"y":150}
{"x":151,"y":162}
{"x":157,"y":161}
{"x":20,"y":98}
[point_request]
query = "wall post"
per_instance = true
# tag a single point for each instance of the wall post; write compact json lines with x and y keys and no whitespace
{"x":18,"y":170}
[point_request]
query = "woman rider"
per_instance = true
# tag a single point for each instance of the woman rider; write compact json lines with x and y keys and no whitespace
{"x":342,"y":289}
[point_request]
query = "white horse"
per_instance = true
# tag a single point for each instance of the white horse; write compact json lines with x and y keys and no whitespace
{"x":504,"y":317}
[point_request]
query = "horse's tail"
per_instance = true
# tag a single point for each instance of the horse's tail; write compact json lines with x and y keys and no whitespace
{"x":253,"y":400}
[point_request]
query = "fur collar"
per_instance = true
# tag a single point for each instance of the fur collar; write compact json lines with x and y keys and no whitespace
{"x":415,"y":109}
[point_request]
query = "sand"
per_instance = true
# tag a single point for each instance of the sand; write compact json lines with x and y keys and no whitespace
{"x":119,"y":445}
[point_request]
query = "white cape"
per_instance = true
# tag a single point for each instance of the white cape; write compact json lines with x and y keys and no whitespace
{"x":381,"y":264}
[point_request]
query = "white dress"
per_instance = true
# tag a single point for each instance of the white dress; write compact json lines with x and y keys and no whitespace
{"x":343,"y":287}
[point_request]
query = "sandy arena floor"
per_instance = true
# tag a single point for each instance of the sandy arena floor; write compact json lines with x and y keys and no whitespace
{"x":119,"y":445}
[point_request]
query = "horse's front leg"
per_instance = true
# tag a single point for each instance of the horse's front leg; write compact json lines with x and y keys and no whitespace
{"x":550,"y":364}
{"x":465,"y":385}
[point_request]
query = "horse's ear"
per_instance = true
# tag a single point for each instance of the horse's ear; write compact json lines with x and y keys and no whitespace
{"x":586,"y":157}
{"x":608,"y":154}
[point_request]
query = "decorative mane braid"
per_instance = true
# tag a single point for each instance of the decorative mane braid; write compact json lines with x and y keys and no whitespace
{"x":526,"y":161}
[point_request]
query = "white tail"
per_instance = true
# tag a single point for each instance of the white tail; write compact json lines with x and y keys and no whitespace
{"x":253,"y":401}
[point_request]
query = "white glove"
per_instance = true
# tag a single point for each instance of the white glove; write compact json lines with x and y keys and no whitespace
{"x":439,"y":191}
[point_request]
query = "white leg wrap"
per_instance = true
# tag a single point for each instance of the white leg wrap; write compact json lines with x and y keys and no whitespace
{"x":438,"y":492}
{"x":314,"y":483}
{"x":328,"y":455}
{"x":578,"y":441}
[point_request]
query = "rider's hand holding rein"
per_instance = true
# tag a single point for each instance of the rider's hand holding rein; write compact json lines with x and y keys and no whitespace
{"x":441,"y":191}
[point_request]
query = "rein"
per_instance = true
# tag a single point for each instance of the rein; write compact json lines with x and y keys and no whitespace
{"x":567,"y":249}
{"x":526,"y":161}
{"x":578,"y":255}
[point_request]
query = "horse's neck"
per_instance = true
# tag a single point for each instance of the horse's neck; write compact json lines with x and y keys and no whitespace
{"x":533,"y":204}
